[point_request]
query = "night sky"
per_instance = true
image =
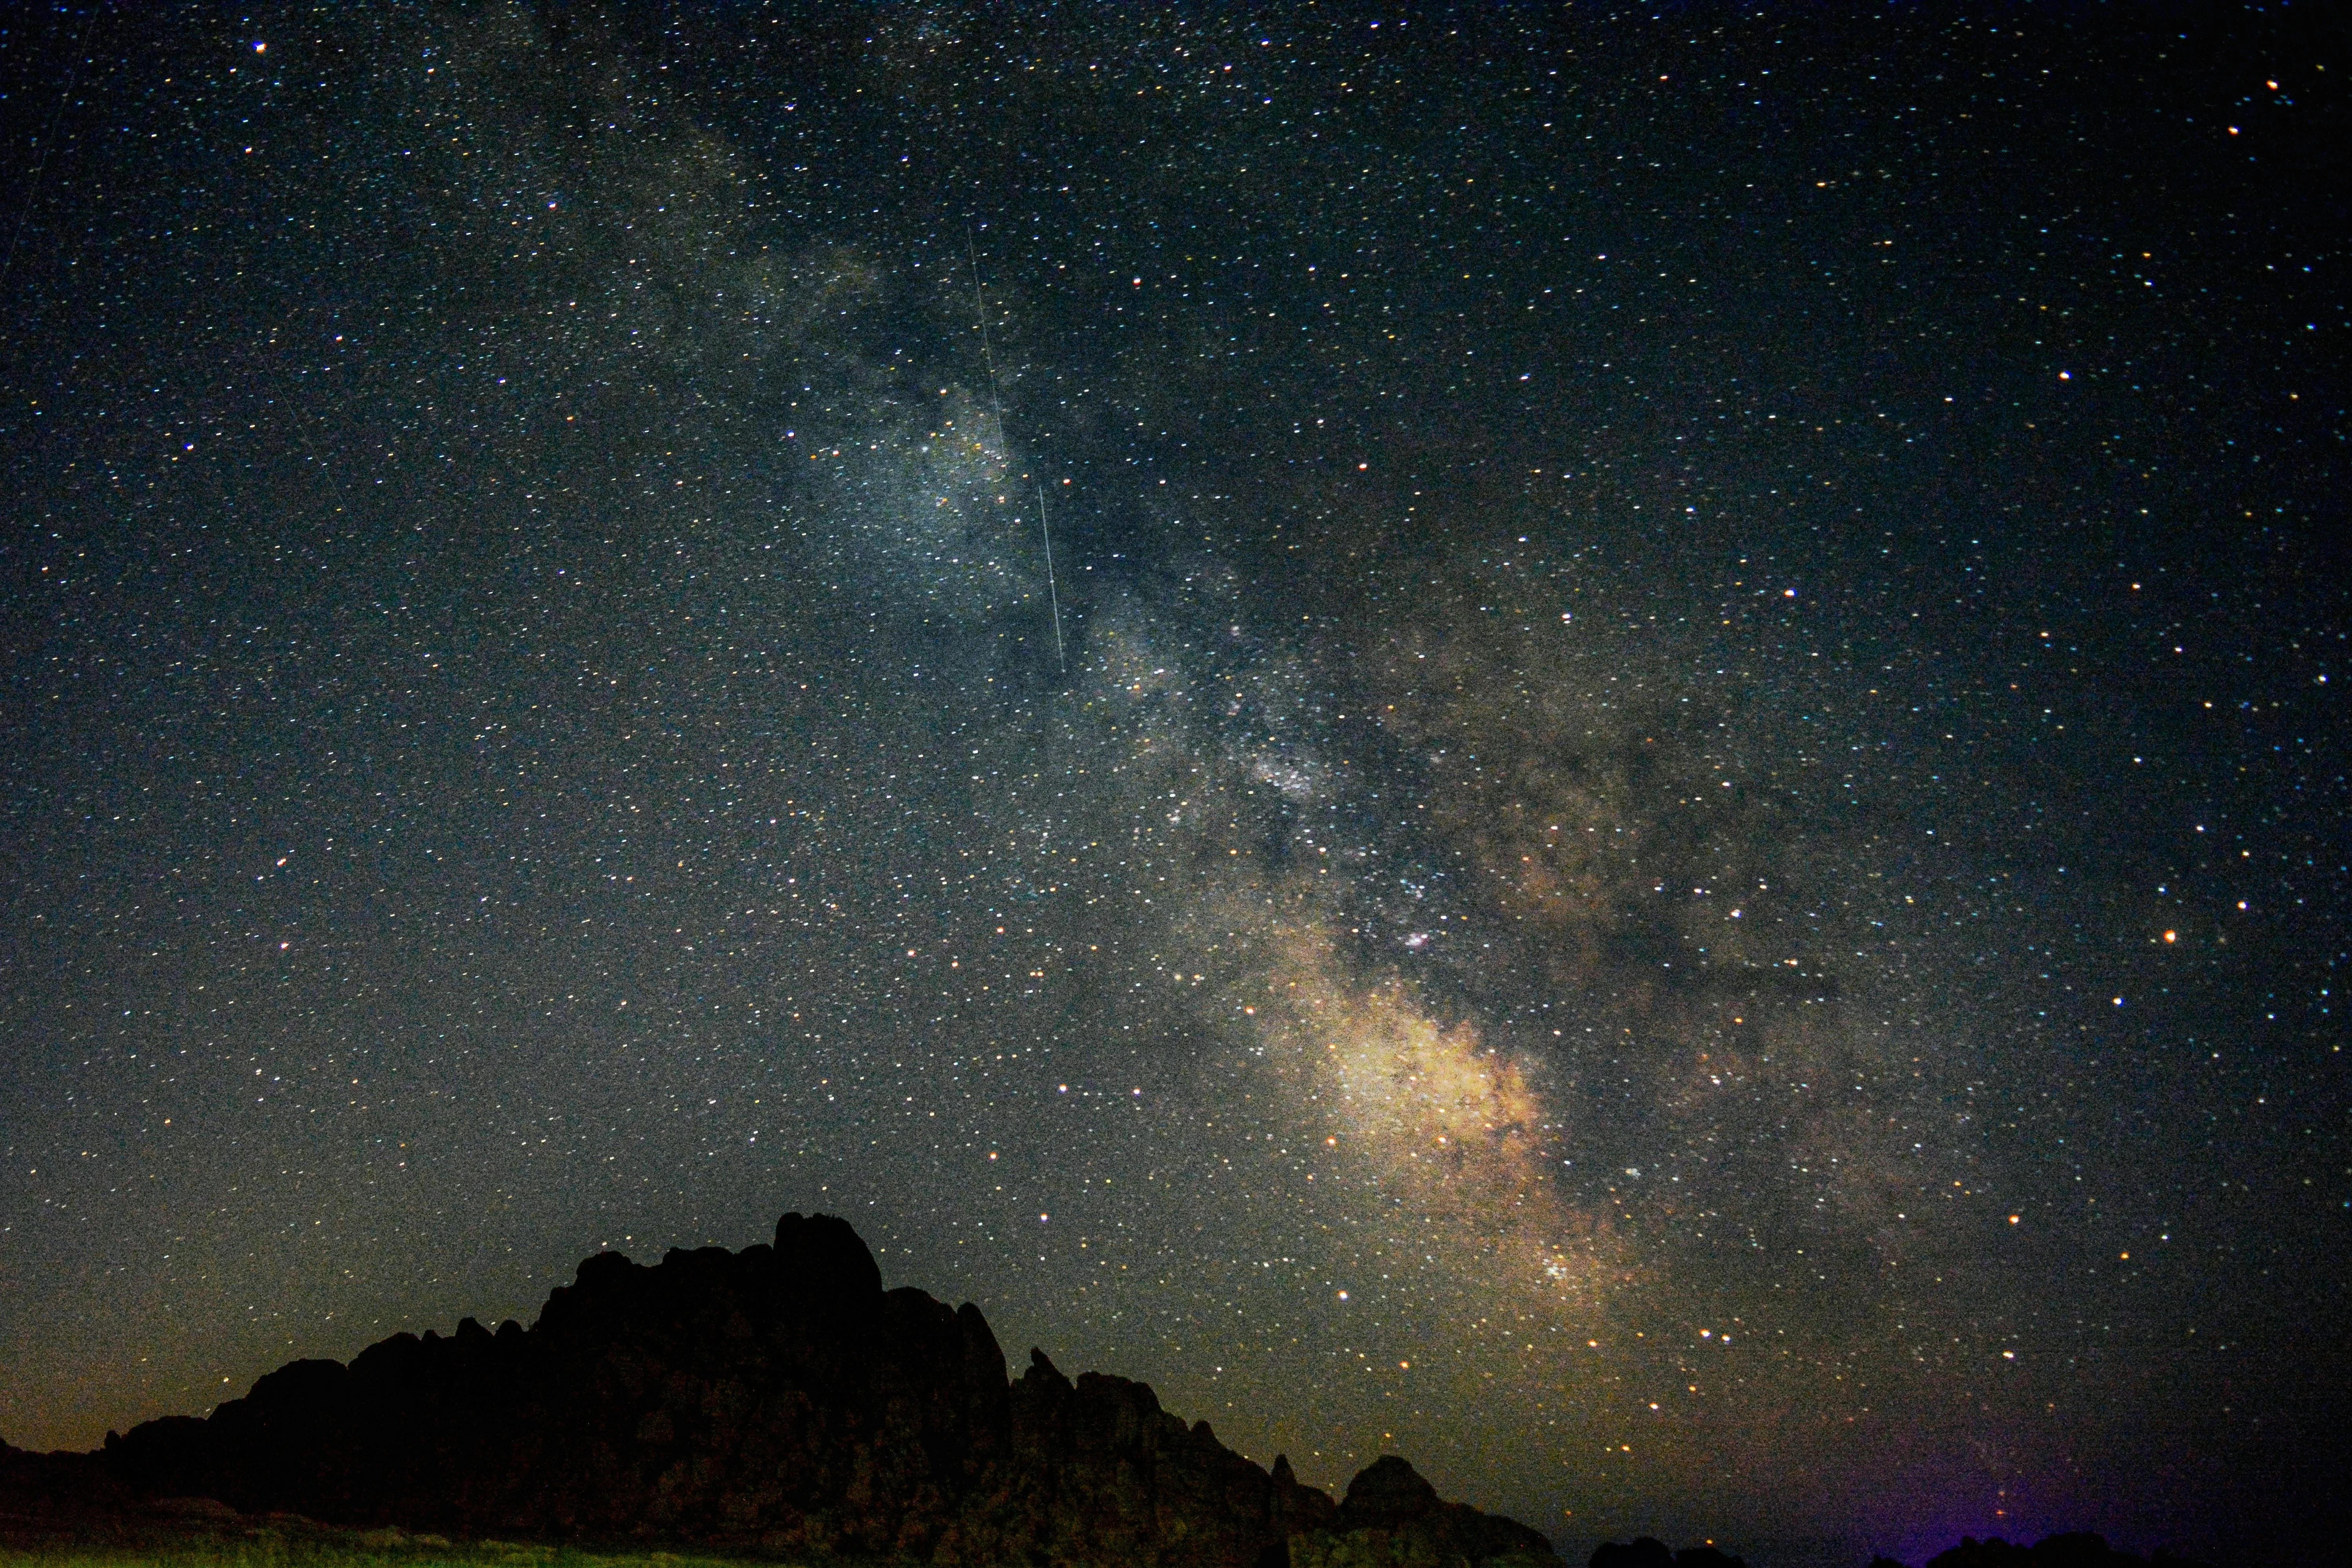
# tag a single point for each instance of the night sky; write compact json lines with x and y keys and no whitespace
{"x":1685,"y":855}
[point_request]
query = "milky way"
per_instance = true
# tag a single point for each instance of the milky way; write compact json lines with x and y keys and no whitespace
{"x":1679,"y":848}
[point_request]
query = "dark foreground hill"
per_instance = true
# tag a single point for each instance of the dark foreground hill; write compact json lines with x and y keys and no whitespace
{"x":778,"y":1400}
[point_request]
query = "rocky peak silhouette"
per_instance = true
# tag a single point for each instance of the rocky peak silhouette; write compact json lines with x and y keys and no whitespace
{"x":779,"y":1400}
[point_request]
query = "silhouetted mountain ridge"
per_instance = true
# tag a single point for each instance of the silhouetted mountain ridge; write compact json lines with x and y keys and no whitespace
{"x":778,"y":1400}
{"x":2076,"y":1549}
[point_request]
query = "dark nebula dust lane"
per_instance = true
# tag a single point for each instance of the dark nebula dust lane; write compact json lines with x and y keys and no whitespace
{"x":1686,"y":857}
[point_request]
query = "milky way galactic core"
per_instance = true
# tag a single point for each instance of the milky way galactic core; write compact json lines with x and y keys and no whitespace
{"x":1668,"y":832}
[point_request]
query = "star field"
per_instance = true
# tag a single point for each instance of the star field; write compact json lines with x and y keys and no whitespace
{"x":1669,"y":834}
